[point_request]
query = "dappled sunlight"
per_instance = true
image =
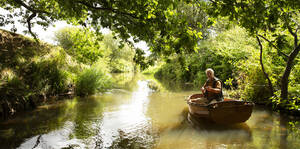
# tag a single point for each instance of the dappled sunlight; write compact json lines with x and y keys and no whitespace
{"x":7,"y":73}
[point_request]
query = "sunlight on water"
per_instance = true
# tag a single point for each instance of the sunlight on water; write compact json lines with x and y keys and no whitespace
{"x":55,"y":139}
{"x":127,"y":117}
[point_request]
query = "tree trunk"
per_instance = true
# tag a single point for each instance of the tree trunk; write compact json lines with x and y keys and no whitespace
{"x":287,"y":72}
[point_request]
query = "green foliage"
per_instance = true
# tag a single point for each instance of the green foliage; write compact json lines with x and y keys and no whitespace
{"x":47,"y":78}
{"x":92,"y":80}
{"x":157,"y":22}
{"x":152,"y":69}
{"x":221,"y":53}
{"x":253,"y":85}
{"x":12,"y":87}
{"x":140,"y":59}
{"x":292,"y":105}
{"x":274,"y":21}
{"x":29,"y":69}
{"x":257,"y":15}
{"x":119,"y":55}
{"x":36,"y":69}
{"x":170,"y":75}
{"x":83,"y":44}
{"x":88,"y":47}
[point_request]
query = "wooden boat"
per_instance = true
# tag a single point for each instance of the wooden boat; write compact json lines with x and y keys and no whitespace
{"x":225,"y":112}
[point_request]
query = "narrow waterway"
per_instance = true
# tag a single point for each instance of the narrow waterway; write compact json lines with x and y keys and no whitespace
{"x":141,"y":117}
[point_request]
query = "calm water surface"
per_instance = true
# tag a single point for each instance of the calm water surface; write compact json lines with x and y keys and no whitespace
{"x":140,"y":117}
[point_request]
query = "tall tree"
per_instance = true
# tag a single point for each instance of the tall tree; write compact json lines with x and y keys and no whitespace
{"x":275,"y":21}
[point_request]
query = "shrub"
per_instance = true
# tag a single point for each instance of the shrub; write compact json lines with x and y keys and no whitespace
{"x":92,"y":80}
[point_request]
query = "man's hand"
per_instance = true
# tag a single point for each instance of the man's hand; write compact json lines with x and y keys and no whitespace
{"x":203,"y":90}
{"x":209,"y":88}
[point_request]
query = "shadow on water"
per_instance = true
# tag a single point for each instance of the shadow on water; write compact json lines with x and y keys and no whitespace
{"x":61,"y":123}
{"x":42,"y":120}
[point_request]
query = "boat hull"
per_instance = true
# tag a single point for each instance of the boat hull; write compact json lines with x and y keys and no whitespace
{"x":225,"y":112}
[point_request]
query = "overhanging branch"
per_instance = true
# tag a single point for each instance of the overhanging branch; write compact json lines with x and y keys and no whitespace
{"x":34,"y":14}
{"x":286,"y":56}
{"x":263,"y":68}
{"x":29,"y":25}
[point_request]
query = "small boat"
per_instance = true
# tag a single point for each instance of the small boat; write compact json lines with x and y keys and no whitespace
{"x":228,"y":111}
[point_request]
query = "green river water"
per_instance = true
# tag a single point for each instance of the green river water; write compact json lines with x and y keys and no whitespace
{"x":141,"y":116}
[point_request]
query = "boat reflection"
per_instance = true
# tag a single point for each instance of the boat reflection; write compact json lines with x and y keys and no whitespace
{"x":230,"y":133}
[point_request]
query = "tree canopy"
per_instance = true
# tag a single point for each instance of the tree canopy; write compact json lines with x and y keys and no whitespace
{"x":274,"y":21}
{"x":146,"y":20}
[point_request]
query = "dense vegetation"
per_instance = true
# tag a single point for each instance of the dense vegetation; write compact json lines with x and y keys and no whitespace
{"x":234,"y":56}
{"x":32,"y":72}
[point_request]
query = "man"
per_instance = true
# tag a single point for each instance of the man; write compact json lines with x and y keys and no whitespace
{"x":212,"y":89}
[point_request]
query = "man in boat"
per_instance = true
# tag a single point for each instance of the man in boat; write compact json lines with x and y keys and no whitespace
{"x":212,"y":89}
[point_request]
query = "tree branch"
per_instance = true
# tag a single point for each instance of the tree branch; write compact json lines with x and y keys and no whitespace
{"x":29,"y":25}
{"x":294,"y":34}
{"x":291,"y":30}
{"x":273,"y":46}
{"x":34,"y":13}
{"x":263,"y":68}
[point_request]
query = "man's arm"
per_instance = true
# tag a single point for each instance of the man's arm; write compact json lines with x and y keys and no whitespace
{"x":203,"y":88}
{"x":215,"y":90}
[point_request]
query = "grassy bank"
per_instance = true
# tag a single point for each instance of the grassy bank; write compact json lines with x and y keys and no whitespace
{"x":33,"y":73}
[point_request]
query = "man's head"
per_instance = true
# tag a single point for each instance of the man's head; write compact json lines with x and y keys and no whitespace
{"x":210,"y":73}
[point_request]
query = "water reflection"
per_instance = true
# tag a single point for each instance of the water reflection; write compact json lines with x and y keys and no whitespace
{"x":126,"y":120}
{"x":236,"y":133}
{"x":14,"y":131}
{"x":144,"y":116}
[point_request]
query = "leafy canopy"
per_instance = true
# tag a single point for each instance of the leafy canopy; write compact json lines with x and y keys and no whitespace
{"x":146,"y":20}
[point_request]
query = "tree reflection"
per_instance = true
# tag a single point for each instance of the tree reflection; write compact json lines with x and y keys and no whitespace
{"x":29,"y":124}
{"x":283,"y":132}
{"x":85,"y":124}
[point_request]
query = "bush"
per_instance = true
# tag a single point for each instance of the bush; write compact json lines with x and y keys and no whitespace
{"x":92,"y":80}
{"x":253,"y":85}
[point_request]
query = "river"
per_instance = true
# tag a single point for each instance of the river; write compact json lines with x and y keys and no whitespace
{"x":141,"y":115}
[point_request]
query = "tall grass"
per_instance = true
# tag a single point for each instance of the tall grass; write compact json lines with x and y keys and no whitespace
{"x":93,"y":80}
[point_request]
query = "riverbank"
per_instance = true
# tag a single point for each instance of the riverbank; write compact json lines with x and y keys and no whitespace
{"x":31,"y":73}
